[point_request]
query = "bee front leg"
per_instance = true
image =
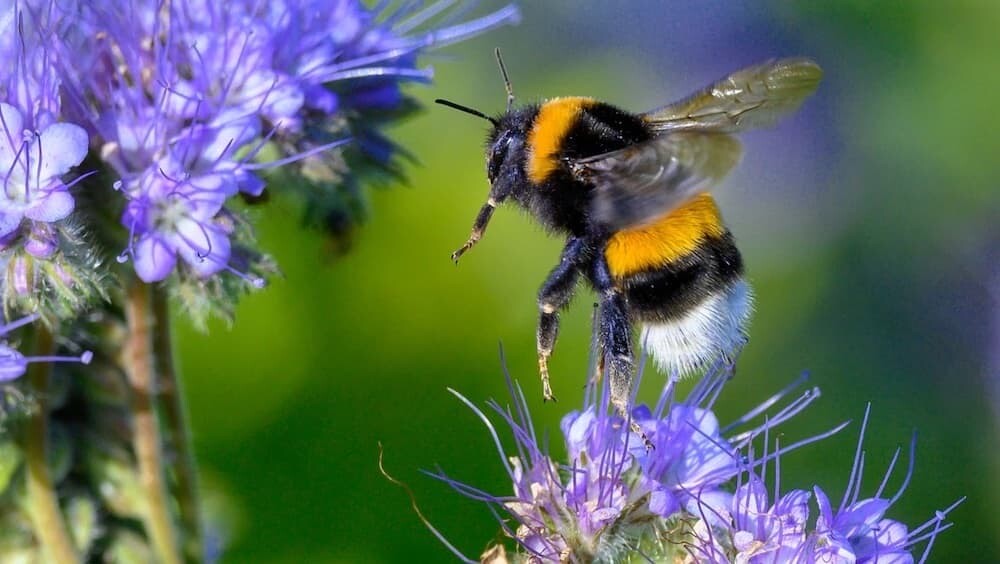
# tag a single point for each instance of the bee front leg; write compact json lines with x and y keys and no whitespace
{"x":555,"y":294}
{"x":478,"y":228}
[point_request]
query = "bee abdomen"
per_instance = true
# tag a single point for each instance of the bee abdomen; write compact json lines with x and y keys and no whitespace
{"x":714,"y":328}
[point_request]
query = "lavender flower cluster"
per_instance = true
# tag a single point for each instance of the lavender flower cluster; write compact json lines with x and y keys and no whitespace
{"x":134,"y":136}
{"x":139,"y":130}
{"x":698,"y":495}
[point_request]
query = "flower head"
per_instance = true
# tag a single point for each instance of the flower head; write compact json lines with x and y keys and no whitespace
{"x":614,"y":498}
{"x":187,"y":106}
{"x":751,"y":530}
{"x":47,"y":265}
{"x":186,"y":96}
{"x":614,"y":494}
{"x":36,"y":151}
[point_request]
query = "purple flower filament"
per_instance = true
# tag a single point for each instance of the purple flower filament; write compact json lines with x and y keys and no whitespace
{"x":13,"y":364}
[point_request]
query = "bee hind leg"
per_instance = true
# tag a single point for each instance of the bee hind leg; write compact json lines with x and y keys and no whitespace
{"x":617,"y":358}
{"x":615,"y":340}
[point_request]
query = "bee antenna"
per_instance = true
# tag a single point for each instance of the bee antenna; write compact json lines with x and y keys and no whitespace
{"x":467,"y":110}
{"x":506,"y":79}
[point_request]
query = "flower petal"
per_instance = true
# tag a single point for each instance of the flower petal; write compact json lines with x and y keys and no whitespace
{"x":825,"y":518}
{"x":51,"y":206}
{"x":63,"y":146}
{"x":12,"y":364}
{"x":10,"y":218}
{"x":154,"y":259}
{"x":205,"y":248}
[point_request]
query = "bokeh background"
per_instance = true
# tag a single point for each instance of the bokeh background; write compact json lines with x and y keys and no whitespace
{"x":869,"y":223}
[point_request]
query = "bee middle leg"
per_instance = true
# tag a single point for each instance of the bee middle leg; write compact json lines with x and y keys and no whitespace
{"x":555,"y":293}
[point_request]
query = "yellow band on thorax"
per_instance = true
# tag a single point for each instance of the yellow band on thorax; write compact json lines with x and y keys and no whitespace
{"x":554,"y":120}
{"x":667,"y":239}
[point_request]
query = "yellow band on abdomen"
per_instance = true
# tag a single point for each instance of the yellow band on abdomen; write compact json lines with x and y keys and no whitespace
{"x":665,"y":240}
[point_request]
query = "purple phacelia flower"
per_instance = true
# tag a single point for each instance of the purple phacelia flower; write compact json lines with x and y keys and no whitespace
{"x":183,"y":97}
{"x":36,"y":151}
{"x":698,"y":494}
{"x":173,"y":214}
{"x":176,"y":205}
{"x":614,"y":493}
{"x":690,"y":456}
{"x":752,"y":531}
{"x":13,"y":364}
{"x":765,"y":533}
{"x":32,"y":164}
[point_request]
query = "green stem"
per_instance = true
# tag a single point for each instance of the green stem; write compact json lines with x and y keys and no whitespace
{"x":42,"y":502}
{"x":146,"y":440}
{"x":171,"y":402}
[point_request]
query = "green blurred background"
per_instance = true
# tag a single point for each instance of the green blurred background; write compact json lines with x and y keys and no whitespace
{"x":869,"y":223}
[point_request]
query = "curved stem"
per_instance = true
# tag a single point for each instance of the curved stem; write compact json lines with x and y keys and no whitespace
{"x":42,"y":503}
{"x":171,"y":402}
{"x":146,"y":440}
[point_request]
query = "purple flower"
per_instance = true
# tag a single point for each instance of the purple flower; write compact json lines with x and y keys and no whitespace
{"x":36,"y":151}
{"x":857,"y":530}
{"x":765,"y":533}
{"x":183,"y":97}
{"x":173,"y":215}
{"x":32,"y":164}
{"x":613,"y":494}
{"x":615,"y":499}
{"x":690,"y":457}
{"x":13,"y":364}
{"x":752,"y":531}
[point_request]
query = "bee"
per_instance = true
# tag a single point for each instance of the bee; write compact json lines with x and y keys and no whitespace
{"x":630,"y":192}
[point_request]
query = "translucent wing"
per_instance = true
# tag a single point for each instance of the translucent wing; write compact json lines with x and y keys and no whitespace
{"x":640,"y":183}
{"x":756,"y":96}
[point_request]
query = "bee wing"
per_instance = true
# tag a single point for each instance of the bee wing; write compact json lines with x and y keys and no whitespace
{"x":753,"y":97}
{"x":639,"y":183}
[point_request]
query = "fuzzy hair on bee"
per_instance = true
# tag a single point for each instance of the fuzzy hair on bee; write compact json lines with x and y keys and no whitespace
{"x":630,"y":192}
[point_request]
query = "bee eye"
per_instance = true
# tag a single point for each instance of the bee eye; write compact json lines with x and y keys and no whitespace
{"x":496,"y":158}
{"x":493,"y":167}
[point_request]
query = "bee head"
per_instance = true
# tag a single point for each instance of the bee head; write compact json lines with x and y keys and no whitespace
{"x":506,"y":140}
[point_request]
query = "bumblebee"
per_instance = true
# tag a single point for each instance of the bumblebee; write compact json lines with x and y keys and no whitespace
{"x":630,"y":192}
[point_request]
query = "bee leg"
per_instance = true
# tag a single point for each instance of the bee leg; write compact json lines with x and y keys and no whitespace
{"x":616,"y":341}
{"x":548,"y":327}
{"x":478,"y":228}
{"x":554,"y":295}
